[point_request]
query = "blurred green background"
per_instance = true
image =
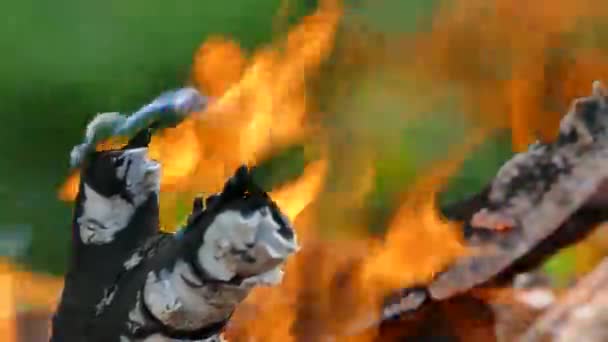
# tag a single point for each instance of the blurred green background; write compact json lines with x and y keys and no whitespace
{"x":66,"y":60}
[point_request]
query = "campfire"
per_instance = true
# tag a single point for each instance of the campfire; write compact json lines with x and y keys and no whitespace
{"x":352,"y":284}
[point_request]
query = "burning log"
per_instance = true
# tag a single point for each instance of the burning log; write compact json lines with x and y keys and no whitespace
{"x":551,"y":190}
{"x":540,"y":201}
{"x":582,"y":315}
{"x":127,"y":281}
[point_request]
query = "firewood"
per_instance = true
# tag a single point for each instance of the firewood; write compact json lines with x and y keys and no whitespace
{"x":127,"y":281}
{"x":541,"y":200}
{"x":580,"y":315}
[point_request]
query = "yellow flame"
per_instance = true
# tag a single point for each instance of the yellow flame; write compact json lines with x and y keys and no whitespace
{"x":505,"y":73}
{"x":179,"y":166}
{"x":523,"y":68}
{"x":419,"y":240}
{"x":294,"y":197}
{"x":261,"y":105}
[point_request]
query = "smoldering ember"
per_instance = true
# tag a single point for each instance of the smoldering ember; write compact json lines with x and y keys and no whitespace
{"x":129,"y":281}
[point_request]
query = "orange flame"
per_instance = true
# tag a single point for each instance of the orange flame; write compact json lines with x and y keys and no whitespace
{"x":506,"y":74}
{"x":69,"y":189}
{"x":294,"y":197}
{"x":162,"y":147}
{"x":419,"y":240}
{"x":519,"y":62}
{"x":262,"y":105}
{"x":37,"y":290}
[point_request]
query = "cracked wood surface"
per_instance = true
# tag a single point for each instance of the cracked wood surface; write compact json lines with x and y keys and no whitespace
{"x":534,"y":195}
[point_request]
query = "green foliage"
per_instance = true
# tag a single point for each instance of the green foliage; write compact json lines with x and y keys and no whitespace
{"x":281,"y":167}
{"x":183,"y":209}
{"x":562,"y":267}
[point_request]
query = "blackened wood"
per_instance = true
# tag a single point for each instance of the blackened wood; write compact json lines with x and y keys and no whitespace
{"x":95,"y":267}
{"x":549,"y":197}
{"x":119,"y":256}
{"x":458,"y":319}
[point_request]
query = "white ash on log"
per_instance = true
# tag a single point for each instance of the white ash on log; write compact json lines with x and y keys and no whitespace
{"x":127,"y":281}
{"x":111,"y":219}
{"x":535,"y":194}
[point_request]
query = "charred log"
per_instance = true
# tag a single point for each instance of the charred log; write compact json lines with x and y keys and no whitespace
{"x":546,"y":198}
{"x":110,"y":221}
{"x":541,"y":201}
{"x":127,"y":281}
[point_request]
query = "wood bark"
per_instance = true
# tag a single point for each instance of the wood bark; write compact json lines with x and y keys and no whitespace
{"x":540,"y":201}
{"x":127,"y":281}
